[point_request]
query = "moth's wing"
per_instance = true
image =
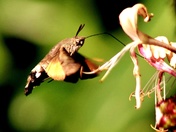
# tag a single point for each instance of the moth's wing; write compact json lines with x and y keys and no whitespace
{"x":71,"y":66}
{"x":86,"y":66}
{"x":37,"y":76}
{"x":43,"y":71}
{"x":55,"y":70}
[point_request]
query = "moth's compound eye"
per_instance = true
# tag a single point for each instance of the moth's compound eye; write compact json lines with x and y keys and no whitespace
{"x":80,"y":42}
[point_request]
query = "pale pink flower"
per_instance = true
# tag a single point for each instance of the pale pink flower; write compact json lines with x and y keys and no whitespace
{"x":154,"y":50}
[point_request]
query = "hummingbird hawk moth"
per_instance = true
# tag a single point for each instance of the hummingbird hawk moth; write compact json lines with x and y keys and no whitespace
{"x":62,"y":63}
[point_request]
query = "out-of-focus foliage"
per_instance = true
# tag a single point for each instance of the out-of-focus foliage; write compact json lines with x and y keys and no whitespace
{"x":29,"y":28}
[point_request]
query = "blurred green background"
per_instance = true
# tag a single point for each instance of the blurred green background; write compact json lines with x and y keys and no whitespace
{"x":30,"y":28}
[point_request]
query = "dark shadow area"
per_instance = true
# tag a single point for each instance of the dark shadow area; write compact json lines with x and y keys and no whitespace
{"x":109,"y":11}
{"x":174,"y":5}
{"x":23,"y":53}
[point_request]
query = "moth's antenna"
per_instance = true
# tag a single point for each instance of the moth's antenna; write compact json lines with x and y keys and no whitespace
{"x":79,"y":29}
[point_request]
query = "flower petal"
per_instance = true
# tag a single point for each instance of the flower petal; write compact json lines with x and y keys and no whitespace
{"x":128,"y":20}
{"x":172,"y":56}
{"x":159,"y":64}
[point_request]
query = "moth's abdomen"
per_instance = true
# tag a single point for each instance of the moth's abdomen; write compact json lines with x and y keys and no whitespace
{"x":37,"y":76}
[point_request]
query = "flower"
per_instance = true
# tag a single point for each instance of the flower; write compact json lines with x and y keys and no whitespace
{"x":166,"y":114}
{"x":154,"y":50}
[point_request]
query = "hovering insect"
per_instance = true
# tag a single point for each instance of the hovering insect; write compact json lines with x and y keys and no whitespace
{"x":62,"y":63}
